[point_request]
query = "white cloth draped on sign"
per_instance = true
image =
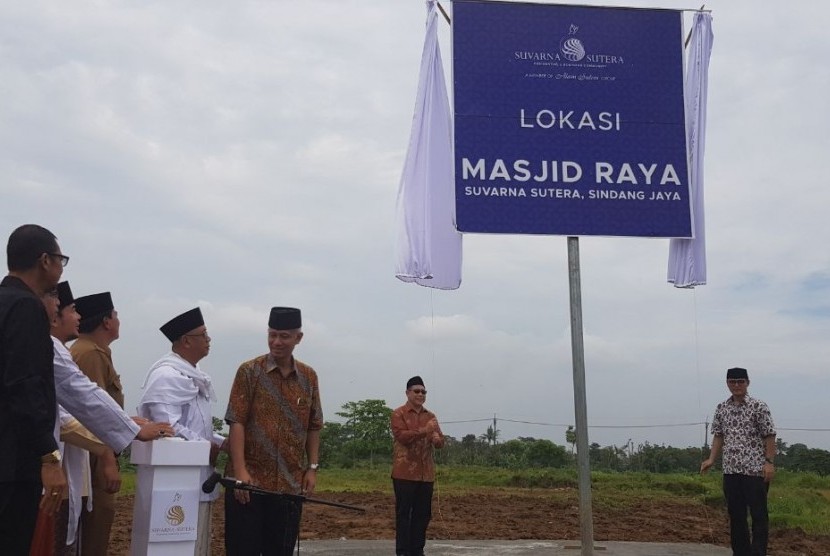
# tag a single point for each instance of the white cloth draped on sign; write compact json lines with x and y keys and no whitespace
{"x":687,"y":257}
{"x":428,"y":247}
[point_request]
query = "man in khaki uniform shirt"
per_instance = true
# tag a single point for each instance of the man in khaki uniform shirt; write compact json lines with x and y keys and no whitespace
{"x":98,"y":329}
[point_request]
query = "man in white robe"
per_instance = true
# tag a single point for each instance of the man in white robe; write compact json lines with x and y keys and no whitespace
{"x":177,"y":391}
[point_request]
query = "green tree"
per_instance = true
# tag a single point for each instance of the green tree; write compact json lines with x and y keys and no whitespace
{"x":218,"y":425}
{"x":570,"y":437}
{"x":469,"y":440}
{"x":801,"y":458}
{"x":544,"y":453}
{"x":594,"y":454}
{"x":469,"y":451}
{"x":332,"y":440}
{"x":491,"y":436}
{"x":511,"y":454}
{"x":222,"y":458}
{"x":366,"y":431}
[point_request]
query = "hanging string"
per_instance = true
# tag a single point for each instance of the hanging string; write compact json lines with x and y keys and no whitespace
{"x":697,"y":365}
{"x":432,"y":332}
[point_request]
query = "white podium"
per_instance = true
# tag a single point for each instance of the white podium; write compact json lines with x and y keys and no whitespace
{"x":168,"y":486}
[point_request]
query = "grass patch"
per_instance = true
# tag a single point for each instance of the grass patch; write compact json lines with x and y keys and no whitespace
{"x":127,"y":481}
{"x":796,"y":500}
{"x":356,"y":479}
{"x":800,"y":500}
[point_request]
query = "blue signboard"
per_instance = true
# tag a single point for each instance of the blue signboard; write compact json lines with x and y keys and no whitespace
{"x":569,"y":120}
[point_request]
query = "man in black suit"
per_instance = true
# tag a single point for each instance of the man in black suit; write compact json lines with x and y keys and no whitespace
{"x":29,"y":457}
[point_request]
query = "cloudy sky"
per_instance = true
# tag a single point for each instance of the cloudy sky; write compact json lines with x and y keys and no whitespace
{"x":241,"y":155}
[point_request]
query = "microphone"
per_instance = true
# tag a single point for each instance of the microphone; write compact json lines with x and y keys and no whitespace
{"x":210,"y":485}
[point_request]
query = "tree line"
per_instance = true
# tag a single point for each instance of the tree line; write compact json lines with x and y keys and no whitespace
{"x":364,"y":437}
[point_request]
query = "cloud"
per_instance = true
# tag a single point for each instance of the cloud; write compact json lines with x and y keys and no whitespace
{"x":244,"y":156}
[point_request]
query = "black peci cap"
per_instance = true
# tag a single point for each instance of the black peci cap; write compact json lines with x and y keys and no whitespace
{"x":65,"y":297}
{"x":285,"y":318}
{"x":178,"y":326}
{"x":737,"y":372}
{"x":90,"y":306}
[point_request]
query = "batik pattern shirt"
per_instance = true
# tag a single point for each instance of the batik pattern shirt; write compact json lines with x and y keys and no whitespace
{"x":412,"y":454}
{"x":743,"y":427}
{"x":277,"y":413}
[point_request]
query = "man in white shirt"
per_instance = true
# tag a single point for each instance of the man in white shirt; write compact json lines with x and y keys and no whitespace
{"x":177,"y":391}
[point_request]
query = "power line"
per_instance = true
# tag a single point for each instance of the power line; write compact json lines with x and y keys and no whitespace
{"x":646,"y":426}
{"x":652,"y":426}
{"x":467,"y":421}
{"x":570,"y":424}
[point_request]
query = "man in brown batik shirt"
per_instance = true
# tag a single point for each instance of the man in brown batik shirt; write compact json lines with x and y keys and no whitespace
{"x":275,"y":419}
{"x":416,"y":434}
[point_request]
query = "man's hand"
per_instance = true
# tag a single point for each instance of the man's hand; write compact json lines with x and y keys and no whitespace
{"x":769,"y":472}
{"x":309,"y":482}
{"x":436,"y":438}
{"x":140,"y":421}
{"x":112,"y":476}
{"x":242,"y":496}
{"x":54,"y":487}
{"x":430,"y":427}
{"x":153,"y":431}
{"x":704,"y":467}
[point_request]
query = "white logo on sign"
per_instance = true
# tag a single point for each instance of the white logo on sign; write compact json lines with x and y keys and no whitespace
{"x":571,"y":46}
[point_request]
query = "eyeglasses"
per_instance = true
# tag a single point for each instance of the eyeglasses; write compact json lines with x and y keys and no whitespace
{"x":735,"y":381}
{"x":63,"y":258}
{"x":417,"y":390}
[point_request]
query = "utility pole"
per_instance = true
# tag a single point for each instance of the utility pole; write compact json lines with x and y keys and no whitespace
{"x":706,"y":434}
{"x":586,"y":523}
{"x":495,"y":430}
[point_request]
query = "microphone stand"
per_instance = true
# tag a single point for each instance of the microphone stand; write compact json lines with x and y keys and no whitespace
{"x":231,"y":483}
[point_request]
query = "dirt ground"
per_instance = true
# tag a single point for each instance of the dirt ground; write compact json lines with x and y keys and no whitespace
{"x":514,"y":514}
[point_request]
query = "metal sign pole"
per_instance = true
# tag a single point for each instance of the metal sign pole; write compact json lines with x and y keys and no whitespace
{"x":586,"y":524}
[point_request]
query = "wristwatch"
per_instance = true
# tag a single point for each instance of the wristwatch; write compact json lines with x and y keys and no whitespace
{"x":51,"y":457}
{"x":314,"y":466}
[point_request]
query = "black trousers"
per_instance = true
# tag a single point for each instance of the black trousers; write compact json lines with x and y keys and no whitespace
{"x":18,"y":515}
{"x":413,"y":510}
{"x":744,"y":492}
{"x":267,"y":525}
